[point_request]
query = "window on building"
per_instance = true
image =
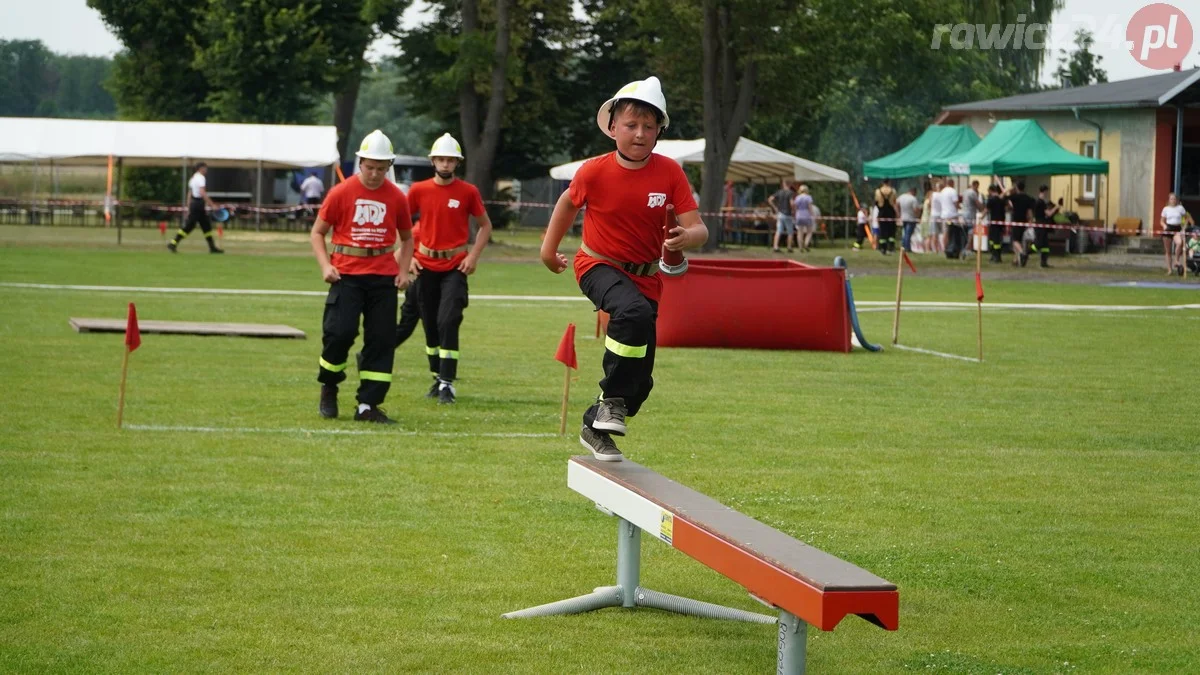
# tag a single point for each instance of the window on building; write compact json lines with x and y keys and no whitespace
{"x":1088,"y":149}
{"x":1189,"y":174}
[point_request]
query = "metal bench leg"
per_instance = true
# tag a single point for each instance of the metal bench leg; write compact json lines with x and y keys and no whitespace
{"x":792,"y":634}
{"x":628,"y":592}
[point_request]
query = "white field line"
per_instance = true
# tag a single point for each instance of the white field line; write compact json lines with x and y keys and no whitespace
{"x":915,"y":304}
{"x":1018,"y":305}
{"x":933,"y":353}
{"x":331,"y":432}
{"x":251,"y":291}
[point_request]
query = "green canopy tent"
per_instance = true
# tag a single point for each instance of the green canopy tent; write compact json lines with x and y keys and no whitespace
{"x":1016,"y":148}
{"x":913,"y":160}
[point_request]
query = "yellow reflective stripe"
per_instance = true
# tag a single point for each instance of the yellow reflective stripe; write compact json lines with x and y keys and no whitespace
{"x":624,"y":350}
{"x":208,"y":235}
{"x":431,"y":351}
{"x":181,"y":233}
{"x":448,"y":354}
{"x":377,"y":377}
{"x":329,"y":366}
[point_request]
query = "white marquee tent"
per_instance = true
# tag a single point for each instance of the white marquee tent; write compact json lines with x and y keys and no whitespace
{"x":92,"y":142}
{"x":750,"y":161}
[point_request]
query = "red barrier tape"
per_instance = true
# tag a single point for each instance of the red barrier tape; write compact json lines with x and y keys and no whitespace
{"x":759,"y":216}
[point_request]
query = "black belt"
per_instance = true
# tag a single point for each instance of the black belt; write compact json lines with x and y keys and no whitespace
{"x":636,"y":269}
{"x":357,"y":252}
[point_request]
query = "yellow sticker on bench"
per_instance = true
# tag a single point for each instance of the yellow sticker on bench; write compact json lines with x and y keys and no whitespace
{"x":666,"y":526}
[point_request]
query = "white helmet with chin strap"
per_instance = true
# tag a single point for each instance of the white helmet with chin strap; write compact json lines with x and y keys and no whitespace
{"x":376,"y":146}
{"x":446,"y":146}
{"x":648,"y":91}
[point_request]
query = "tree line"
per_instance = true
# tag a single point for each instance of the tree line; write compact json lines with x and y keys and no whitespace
{"x":518,"y":81}
{"x":36,"y":82}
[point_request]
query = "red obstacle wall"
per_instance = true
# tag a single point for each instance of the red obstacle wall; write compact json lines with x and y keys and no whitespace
{"x":755,"y":304}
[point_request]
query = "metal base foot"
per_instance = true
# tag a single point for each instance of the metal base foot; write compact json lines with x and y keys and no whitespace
{"x":605,"y":596}
{"x":628,"y":593}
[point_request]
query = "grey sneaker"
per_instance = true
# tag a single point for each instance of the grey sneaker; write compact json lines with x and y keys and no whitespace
{"x":601,"y":445}
{"x":610,"y":416}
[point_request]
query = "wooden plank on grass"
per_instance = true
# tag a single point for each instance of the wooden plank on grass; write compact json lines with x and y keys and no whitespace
{"x":189,"y":328}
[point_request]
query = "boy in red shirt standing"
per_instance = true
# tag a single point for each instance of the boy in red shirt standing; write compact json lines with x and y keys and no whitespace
{"x":443,"y":204}
{"x":627,"y":193}
{"x":367,"y":214}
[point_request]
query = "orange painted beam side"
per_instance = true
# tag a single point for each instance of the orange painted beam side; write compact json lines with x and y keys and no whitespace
{"x":782,"y":589}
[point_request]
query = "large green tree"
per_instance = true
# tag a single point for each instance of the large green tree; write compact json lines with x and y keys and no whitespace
{"x":493,"y":72}
{"x":36,"y":81}
{"x":1081,"y":67}
{"x":155,"y":76}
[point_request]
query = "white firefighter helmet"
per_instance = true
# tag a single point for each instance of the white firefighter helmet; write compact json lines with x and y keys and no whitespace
{"x":376,"y":145}
{"x":446,"y":146}
{"x":647,"y":91}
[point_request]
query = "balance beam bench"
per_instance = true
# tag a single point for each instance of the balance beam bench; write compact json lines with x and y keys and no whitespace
{"x":805,"y":585}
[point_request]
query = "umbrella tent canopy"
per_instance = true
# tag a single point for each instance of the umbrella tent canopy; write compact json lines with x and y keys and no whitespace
{"x":750,"y":161}
{"x":1018,"y":148}
{"x":914,"y":159}
{"x":168,"y":144}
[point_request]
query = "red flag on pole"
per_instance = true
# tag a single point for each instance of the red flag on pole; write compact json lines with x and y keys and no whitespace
{"x":133,"y":336}
{"x":908,"y":261}
{"x":566,"y":348}
{"x":978,"y":287}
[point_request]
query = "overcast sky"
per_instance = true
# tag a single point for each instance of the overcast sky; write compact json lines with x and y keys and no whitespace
{"x":77,"y":29}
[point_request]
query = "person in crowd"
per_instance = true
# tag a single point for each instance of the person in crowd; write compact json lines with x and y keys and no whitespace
{"x":996,"y":208}
{"x":785,"y":224}
{"x":909,"y":212}
{"x":1022,"y":214}
{"x":1171,"y":222}
{"x":1044,"y":210}
{"x":885,"y":201}
{"x":804,"y":207}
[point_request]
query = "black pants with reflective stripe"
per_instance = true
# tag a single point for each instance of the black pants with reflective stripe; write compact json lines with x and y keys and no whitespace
{"x":1041,"y":239}
{"x":372,"y":297}
{"x":631,"y":324}
{"x":196,"y":215}
{"x":995,"y":238}
{"x":442,"y":298}
{"x":410,"y":312}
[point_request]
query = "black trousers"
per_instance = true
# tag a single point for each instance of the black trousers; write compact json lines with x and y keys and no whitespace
{"x":442,"y":298}
{"x":887,"y":235}
{"x":196,"y":215}
{"x":372,"y":297}
{"x":956,"y":239}
{"x":1041,"y":240}
{"x":887,"y":228}
{"x":995,"y":238}
{"x":629,"y":346}
{"x":860,"y":232}
{"x":410,"y":312}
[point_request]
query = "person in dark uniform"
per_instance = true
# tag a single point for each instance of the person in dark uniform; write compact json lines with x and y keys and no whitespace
{"x":197,"y":215}
{"x":627,"y":193}
{"x":1022,"y":213}
{"x":996,"y":206}
{"x":443,"y":204}
{"x":885,"y":199}
{"x":368,"y":215}
{"x":1043,"y":213}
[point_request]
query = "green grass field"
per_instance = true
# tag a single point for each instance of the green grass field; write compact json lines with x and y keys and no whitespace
{"x":1038,"y":511}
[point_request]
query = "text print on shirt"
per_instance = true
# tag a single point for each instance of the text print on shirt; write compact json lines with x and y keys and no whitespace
{"x":369,"y":211}
{"x":453,"y":203}
{"x":657,"y":199}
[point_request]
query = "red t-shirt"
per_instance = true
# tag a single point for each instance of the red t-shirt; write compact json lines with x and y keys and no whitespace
{"x":626,"y":210}
{"x":366,"y":219}
{"x":443,"y":210}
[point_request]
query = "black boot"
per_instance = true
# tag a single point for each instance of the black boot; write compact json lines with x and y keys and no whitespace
{"x":1045,"y":259}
